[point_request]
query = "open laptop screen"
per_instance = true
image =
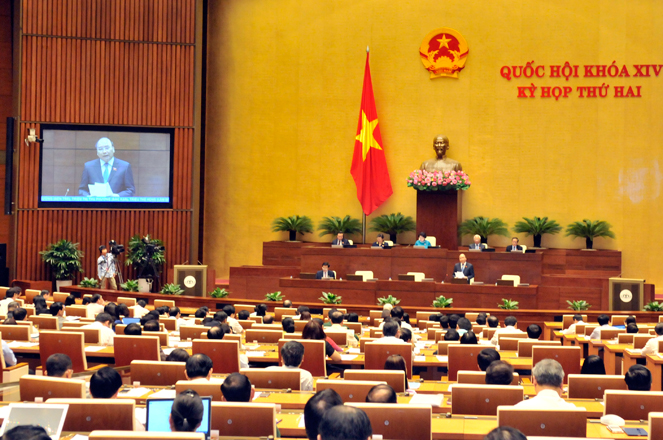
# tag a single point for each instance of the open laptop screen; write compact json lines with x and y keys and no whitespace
{"x":50,"y":417}
{"x":158,"y":415}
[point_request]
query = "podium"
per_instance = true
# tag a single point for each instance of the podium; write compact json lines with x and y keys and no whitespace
{"x":194,"y":279}
{"x":438,"y":214}
{"x":626,"y":294}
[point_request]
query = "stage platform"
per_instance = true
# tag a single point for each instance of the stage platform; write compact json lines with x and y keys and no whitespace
{"x":554,"y":275}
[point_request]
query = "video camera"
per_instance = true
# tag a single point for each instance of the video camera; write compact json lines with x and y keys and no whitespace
{"x":115,"y":249}
{"x":151,"y":247}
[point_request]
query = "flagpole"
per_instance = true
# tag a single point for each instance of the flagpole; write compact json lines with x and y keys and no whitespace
{"x":363,"y":219}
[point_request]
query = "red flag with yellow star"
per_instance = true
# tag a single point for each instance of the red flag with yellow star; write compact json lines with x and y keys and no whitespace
{"x":369,"y":166}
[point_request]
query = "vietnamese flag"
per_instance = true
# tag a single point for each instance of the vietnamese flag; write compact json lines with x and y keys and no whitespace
{"x":369,"y":166}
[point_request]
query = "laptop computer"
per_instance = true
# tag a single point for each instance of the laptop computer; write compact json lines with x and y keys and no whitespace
{"x":128,"y":321}
{"x":158,"y":415}
{"x":50,"y":417}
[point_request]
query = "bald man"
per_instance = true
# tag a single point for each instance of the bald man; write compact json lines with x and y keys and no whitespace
{"x":108,"y":169}
{"x":477,"y":243}
{"x":463,"y":266}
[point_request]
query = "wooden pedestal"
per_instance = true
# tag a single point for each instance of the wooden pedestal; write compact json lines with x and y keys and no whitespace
{"x":438,"y":214}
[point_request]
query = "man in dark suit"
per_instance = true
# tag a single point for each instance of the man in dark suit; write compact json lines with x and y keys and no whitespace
{"x":466,"y":268}
{"x":325,"y":272}
{"x":109,"y":169}
{"x":340,"y":239}
{"x":514,"y":246}
{"x":477,"y":243}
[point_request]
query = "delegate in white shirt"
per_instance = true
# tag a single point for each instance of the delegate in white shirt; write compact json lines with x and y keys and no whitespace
{"x":651,"y":347}
{"x":305,"y":378}
{"x":107,"y":334}
{"x":546,"y":399}
{"x":507,"y":329}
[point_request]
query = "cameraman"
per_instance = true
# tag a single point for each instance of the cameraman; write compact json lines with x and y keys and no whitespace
{"x":106,"y":268}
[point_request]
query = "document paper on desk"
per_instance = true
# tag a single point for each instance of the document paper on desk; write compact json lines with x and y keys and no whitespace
{"x":427,"y":399}
{"x":92,"y":348}
{"x":100,"y":189}
{"x":348,"y":357}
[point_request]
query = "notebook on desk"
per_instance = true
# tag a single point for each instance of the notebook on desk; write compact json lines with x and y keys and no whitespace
{"x":405,"y":277}
{"x":307,"y":275}
{"x":158,"y":414}
{"x":354,"y":277}
{"x":50,"y":417}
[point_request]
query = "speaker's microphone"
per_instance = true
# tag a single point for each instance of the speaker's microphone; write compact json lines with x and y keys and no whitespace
{"x":65,"y":194}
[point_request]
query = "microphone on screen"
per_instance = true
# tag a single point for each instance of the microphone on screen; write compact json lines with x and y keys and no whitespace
{"x":65,"y":194}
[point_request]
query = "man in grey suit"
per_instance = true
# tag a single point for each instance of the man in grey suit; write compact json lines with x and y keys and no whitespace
{"x":109,"y":169}
{"x":477,"y":243}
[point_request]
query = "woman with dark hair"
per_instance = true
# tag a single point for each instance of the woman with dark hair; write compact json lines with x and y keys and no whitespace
{"x":70,"y":301}
{"x":593,"y":365}
{"x":469,"y":338}
{"x":110,"y":308}
{"x":259,"y":310}
{"x":313,"y":330}
{"x":396,"y":362}
{"x":406,"y":335}
{"x":186,"y":415}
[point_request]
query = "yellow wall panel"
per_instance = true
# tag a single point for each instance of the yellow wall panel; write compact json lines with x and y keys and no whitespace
{"x":284,"y":86}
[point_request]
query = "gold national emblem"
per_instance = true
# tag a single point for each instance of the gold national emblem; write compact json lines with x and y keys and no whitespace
{"x":444,"y":52}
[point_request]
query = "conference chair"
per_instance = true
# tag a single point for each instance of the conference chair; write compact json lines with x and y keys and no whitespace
{"x":30,"y":310}
{"x":569,"y":357}
{"x":31,"y":387}
{"x":235,"y":419}
{"x":80,"y":311}
{"x":432,"y":240}
{"x":256,"y":319}
{"x":610,"y":333}
{"x":131,"y":348}
{"x":164,"y":302}
{"x":618,"y":319}
{"x":373,"y":315}
{"x":257,"y":326}
{"x":389,"y":243}
{"x":90,"y":335}
{"x":72,"y":324}
{"x":362,"y":344}
{"x":443,"y":347}
{"x":399,"y":421}
{"x":632,"y":405}
{"x":263,"y":336}
{"x":338,"y":336}
{"x":625,"y":338}
{"x":247,"y":323}
{"x":130,"y":302}
{"x":477,"y":329}
{"x":655,"y":430}
{"x":376,"y":353}
{"x":438,"y":336}
{"x":163,"y":337}
{"x":128,"y":435}
{"x":169,"y":324}
{"x":157,"y":373}
{"x":349,"y":390}
{"x":203,"y":388}
{"x":593,"y":386}
{"x":86,"y":415}
{"x":192,"y":332}
{"x":589,"y":329}
{"x":44,"y":322}
{"x":510,"y":340}
{"x":69,"y":343}
{"x":463,"y":357}
{"x":483,"y":400}
{"x":57,"y":296}
{"x":273,"y":379}
{"x":488,"y":333}
{"x":296,"y":335}
{"x":13,"y":373}
{"x":395,"y":379}
{"x":525,"y":346}
{"x":16,"y":332}
{"x":567,"y":320}
{"x":373,"y":332}
{"x":479,"y":378}
{"x":280,"y":312}
{"x":544,"y":422}
{"x":422,"y":316}
{"x":224,"y":354}
{"x":418,"y":276}
{"x":31,"y":293}
{"x":514,"y":278}
{"x":239,"y":307}
{"x":315,"y":359}
{"x":326,"y":310}
{"x":365,"y":274}
{"x":354,"y":326}
{"x":432,"y":327}
{"x":639,"y":341}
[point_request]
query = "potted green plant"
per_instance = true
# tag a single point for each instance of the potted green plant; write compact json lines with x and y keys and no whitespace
{"x":393,"y":224}
{"x":91,"y":283}
{"x":130,"y":286}
{"x":330,"y":298}
{"x":293,"y":225}
{"x":442,"y":303}
{"x":388,"y":300}
{"x":484,"y":227}
{"x":589,"y":230}
{"x":508,"y":304}
{"x":171,"y":289}
{"x":274,"y":296}
{"x":64,"y":257}
{"x":653,"y":306}
{"x":334,"y":225}
{"x":137,"y":256}
{"x":219,"y":293}
{"x":578,"y":305}
{"x":537,"y":226}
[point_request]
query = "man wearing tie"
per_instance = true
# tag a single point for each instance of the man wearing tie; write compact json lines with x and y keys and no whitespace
{"x":477,"y":243}
{"x":325,"y":272}
{"x":514,"y":246}
{"x":340,"y":240}
{"x":466,"y":268}
{"x":108,"y":169}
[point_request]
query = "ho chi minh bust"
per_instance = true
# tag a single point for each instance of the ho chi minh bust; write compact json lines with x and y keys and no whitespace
{"x":442,"y":162}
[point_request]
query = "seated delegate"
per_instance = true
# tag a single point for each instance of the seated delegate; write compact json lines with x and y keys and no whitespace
{"x":379,"y":242}
{"x":515,"y":247}
{"x":325,"y":272}
{"x":421,"y":241}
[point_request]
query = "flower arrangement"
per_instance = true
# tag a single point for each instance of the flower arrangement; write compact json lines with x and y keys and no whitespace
{"x":423,"y":180}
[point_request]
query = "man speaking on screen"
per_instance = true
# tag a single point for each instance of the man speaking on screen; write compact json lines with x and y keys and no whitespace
{"x":108,"y":169}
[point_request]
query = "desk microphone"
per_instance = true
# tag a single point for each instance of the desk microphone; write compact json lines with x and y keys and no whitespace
{"x":65,"y":194}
